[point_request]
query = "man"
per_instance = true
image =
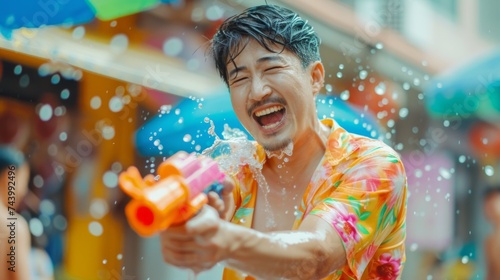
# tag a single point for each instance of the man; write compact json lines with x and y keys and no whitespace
{"x":492,"y":241}
{"x":333,"y":208}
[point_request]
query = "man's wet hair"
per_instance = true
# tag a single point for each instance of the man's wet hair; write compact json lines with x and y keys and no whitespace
{"x":273,"y":27}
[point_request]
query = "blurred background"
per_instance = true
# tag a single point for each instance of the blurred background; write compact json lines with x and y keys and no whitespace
{"x":88,"y":88}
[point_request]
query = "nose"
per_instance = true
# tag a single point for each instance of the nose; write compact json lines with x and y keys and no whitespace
{"x":260,"y":89}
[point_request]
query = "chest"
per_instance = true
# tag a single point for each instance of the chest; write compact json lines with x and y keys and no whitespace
{"x":278,"y":201}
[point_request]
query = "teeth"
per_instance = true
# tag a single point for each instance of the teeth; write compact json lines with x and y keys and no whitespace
{"x":270,"y":126}
{"x":268,"y":111}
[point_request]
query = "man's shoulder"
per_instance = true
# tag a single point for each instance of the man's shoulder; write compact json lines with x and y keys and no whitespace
{"x":368,"y":147}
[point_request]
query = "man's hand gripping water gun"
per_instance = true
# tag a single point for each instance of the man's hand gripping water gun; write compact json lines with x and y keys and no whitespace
{"x":179,"y":194}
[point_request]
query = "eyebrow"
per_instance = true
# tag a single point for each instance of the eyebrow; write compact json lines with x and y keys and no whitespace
{"x":267,"y":58}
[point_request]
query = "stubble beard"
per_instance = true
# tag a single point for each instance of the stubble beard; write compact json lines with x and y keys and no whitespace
{"x":277,"y":146}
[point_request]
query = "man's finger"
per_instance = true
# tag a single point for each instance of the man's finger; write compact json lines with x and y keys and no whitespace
{"x":216,"y":202}
{"x":207,"y":220}
{"x":228,"y":184}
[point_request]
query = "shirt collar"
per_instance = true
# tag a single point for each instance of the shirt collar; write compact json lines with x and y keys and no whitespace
{"x":340,"y":143}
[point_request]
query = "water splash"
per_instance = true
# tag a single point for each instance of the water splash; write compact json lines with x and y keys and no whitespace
{"x":288,"y":150}
{"x":235,"y":150}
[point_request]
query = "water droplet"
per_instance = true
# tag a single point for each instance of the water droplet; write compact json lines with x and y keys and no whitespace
{"x":108,"y":132}
{"x":105,"y":261}
{"x":55,"y":79}
{"x":214,"y":13}
{"x":65,"y":93}
{"x":489,"y":171}
{"x":63,"y":136}
{"x":110,"y":179}
{"x":380,"y":89}
{"x":38,"y":181}
{"x":95,"y":102}
{"x":328,"y":87}
{"x":78,"y":33}
{"x":18,"y":69}
{"x":406,"y":86}
{"x":344,"y":95}
{"x":173,"y":46}
{"x":413,"y":247}
{"x":98,"y":208}
{"x":95,"y":228}
{"x":115,"y":104}
{"x":186,"y":138}
{"x":119,"y":43}
{"x":444,"y":173}
{"x":119,"y":256}
{"x":24,"y":81}
{"x":45,"y":112}
{"x":363,"y":74}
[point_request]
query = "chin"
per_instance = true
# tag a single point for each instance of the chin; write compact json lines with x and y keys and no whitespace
{"x":277,"y":145}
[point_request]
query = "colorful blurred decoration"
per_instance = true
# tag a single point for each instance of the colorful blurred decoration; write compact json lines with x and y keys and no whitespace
{"x":430,"y":220}
{"x":472,"y":91}
{"x":11,"y":125}
{"x":185,"y":127}
{"x":381,"y":96}
{"x":484,"y":139}
{"x":34,"y":13}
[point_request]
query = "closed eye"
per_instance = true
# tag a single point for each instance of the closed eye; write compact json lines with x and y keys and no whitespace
{"x":238,"y":80}
{"x":273,"y":68}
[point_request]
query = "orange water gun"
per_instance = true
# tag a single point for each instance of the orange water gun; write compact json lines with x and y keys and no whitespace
{"x":178,"y":194}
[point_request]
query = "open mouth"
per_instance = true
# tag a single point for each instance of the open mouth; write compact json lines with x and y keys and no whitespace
{"x":271,"y":117}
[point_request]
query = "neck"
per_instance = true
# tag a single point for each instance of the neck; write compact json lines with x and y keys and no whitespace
{"x":307,"y":152}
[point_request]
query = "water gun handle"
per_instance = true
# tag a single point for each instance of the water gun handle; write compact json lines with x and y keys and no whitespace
{"x":179,"y":194}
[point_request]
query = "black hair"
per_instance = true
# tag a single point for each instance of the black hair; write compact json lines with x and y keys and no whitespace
{"x":10,"y":156}
{"x":268,"y":25}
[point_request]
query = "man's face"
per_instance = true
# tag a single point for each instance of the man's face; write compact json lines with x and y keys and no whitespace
{"x":273,"y":95}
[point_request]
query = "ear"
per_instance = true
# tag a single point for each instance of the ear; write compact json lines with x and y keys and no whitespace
{"x":317,"y":76}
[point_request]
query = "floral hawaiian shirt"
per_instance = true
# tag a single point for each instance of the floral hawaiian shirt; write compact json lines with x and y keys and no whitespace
{"x":360,"y":189}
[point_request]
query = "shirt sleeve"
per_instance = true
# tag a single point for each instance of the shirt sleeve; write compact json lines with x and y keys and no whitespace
{"x":366,"y":205}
